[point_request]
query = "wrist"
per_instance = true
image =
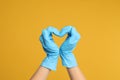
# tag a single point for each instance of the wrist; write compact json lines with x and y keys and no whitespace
{"x":68,"y":59}
{"x":50,"y":61}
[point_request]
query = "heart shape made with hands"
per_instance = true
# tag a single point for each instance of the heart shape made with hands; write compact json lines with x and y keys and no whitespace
{"x":69,"y":43}
{"x":73,"y":35}
{"x":59,"y":35}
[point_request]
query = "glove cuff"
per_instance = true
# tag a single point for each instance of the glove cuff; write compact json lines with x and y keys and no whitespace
{"x":50,"y":62}
{"x":68,"y":60}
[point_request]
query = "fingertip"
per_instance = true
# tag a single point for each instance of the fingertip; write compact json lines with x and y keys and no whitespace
{"x":53,"y":30}
{"x":49,"y":28}
{"x":44,"y":32}
{"x":65,"y":30}
{"x":74,"y":31}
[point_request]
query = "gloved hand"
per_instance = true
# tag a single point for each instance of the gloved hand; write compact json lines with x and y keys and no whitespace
{"x":68,"y":58}
{"x":50,"y":48}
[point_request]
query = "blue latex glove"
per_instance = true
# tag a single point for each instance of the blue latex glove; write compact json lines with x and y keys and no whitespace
{"x":68,"y":58}
{"x":50,"y":48}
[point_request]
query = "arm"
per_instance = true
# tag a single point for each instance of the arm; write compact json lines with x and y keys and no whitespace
{"x":68,"y":58}
{"x":75,"y":73}
{"x":52,"y":53}
{"x":40,"y":74}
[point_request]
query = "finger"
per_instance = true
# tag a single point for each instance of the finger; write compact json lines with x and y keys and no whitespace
{"x":42,"y":41}
{"x":75,"y":36}
{"x":73,"y":31}
{"x":53,"y":30}
{"x":46,"y":35}
{"x":65,"y":30}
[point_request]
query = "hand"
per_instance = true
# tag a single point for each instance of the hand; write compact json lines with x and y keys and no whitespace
{"x":50,"y":48}
{"x":68,"y":46}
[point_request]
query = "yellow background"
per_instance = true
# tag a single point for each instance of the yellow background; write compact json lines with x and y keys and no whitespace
{"x":97,"y":53}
